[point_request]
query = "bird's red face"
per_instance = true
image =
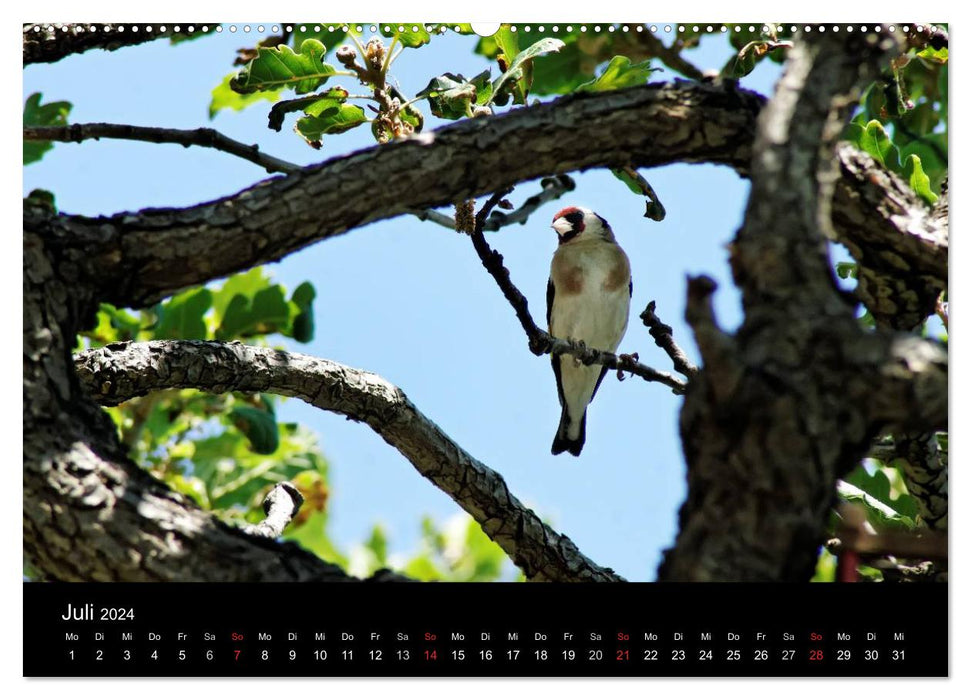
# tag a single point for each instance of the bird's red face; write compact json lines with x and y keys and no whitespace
{"x":568,"y":223}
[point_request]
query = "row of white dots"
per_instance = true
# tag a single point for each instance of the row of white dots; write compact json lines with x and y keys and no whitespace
{"x":442,"y":29}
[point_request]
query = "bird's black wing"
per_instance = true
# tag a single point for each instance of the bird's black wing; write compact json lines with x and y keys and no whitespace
{"x":550,"y":291}
{"x":554,"y":359}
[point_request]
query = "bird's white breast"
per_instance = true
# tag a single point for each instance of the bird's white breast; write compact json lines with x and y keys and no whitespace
{"x":591,"y":294}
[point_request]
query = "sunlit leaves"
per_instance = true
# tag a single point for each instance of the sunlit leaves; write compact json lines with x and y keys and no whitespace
{"x":181,"y":317}
{"x":882,"y":495}
{"x":281,"y":109}
{"x":281,"y":67}
{"x":637,"y":184}
{"x":918,"y":179}
{"x":224,"y":97}
{"x":37,"y":114}
{"x":328,"y":117}
{"x":619,"y":73}
{"x":874,"y":139}
{"x":451,"y":96}
{"x":408,"y":34}
{"x":520,"y":67}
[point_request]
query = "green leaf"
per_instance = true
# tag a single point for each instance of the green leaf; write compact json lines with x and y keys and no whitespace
{"x":637,"y":184}
{"x":846,"y":270}
{"x":377,"y":543}
{"x":224,"y":97}
{"x":877,"y":143}
{"x":330,"y":39}
{"x":619,"y":73}
{"x":919,"y":181}
{"x":328,"y":117}
{"x":259,"y":426}
{"x":406,"y":35}
{"x":884,"y":501}
{"x":303,"y":324}
{"x":751,"y":54}
{"x":36,"y":114}
{"x":181,"y":317}
{"x":933,"y":55}
{"x":280,"y":67}
{"x":281,"y":109}
{"x":518,"y":69}
{"x":247,"y":283}
{"x":265,"y":312}
{"x":451,"y":96}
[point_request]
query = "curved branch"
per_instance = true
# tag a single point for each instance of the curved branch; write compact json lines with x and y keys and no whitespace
{"x":50,"y":42}
{"x":119,"y":372}
{"x":206,"y":137}
{"x":663,"y":336}
{"x":143,"y":257}
{"x":900,"y":245}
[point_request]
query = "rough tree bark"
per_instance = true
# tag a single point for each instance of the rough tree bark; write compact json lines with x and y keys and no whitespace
{"x":793,"y":400}
{"x":784,"y":406}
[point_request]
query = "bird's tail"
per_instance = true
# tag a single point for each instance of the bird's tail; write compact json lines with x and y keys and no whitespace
{"x":562,"y":442}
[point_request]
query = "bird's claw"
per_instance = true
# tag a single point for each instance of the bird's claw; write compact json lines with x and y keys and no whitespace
{"x":632,"y":358}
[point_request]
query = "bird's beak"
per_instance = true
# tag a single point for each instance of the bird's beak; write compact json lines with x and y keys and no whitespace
{"x":562,"y":226}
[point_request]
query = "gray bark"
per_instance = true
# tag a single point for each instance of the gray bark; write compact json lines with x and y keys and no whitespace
{"x":122,"y":371}
{"x":793,"y":400}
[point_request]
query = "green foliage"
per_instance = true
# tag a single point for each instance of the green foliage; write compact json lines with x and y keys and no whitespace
{"x":846,"y":270}
{"x":224,"y":97}
{"x":328,"y":116}
{"x":452,"y":96}
{"x":517,"y":79}
{"x":619,"y":73}
{"x":334,"y":96}
{"x":37,"y":114}
{"x":637,"y":184}
{"x":883,"y":495}
{"x":281,"y":67}
{"x":409,"y":34}
{"x":903,"y":120}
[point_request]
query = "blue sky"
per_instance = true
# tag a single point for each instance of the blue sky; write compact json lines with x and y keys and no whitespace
{"x":409,"y":300}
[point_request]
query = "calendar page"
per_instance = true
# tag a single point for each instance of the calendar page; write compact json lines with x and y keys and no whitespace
{"x":369,"y":349}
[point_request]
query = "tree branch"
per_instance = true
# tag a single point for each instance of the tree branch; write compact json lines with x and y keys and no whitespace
{"x":552,"y":189}
{"x":899,"y":243}
{"x":670,"y":57}
{"x":136,"y":259}
{"x":664,"y":339}
{"x":281,"y":506}
{"x":206,"y":137}
{"x":791,"y":402}
{"x":142,"y":257}
{"x":47,"y":43}
{"x":119,"y":372}
{"x":541,"y":342}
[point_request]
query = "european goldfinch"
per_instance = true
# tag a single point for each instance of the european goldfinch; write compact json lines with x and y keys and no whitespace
{"x":588,"y":300}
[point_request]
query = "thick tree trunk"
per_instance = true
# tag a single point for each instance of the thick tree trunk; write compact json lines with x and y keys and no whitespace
{"x":793,"y":400}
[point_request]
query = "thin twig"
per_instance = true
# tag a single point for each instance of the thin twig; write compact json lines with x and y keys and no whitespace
{"x":541,"y":342}
{"x":209,"y":138}
{"x":280,"y":505}
{"x":553,"y":188}
{"x":671,"y":57}
{"x":663,"y":338}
